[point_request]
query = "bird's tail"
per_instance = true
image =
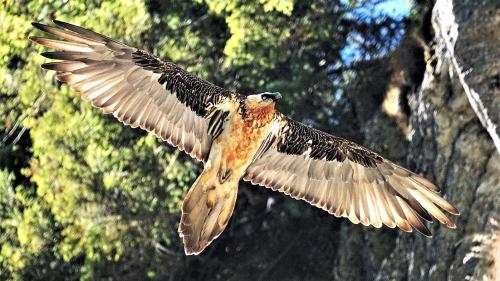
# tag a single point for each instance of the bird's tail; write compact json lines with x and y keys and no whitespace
{"x":205,"y":213}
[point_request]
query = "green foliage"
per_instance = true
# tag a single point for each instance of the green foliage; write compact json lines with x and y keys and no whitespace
{"x":97,"y":191}
{"x":83,"y":197}
{"x":252,"y":29}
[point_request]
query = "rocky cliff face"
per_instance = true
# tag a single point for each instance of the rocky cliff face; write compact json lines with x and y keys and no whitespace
{"x":453,"y":115}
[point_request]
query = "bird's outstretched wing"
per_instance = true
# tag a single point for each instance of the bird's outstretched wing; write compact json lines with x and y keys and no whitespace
{"x":139,"y":89}
{"x":345,"y":179}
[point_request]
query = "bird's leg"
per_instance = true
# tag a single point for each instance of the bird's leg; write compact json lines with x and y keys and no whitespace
{"x":224,"y":174}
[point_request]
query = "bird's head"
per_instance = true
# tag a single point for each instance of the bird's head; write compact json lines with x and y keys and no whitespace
{"x":263,"y":99}
{"x":260,"y":107}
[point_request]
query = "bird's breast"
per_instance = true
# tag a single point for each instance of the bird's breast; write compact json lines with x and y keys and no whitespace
{"x":238,"y":143}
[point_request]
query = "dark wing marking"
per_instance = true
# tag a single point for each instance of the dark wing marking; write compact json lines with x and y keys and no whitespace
{"x":345,"y":179}
{"x":139,"y":89}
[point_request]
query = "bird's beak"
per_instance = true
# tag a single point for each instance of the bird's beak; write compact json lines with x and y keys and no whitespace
{"x":275,"y":96}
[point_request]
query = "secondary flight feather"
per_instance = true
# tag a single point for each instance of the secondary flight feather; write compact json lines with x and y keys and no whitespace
{"x":238,"y":137}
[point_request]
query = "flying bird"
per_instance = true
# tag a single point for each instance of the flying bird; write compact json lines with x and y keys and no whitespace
{"x":237,"y":137}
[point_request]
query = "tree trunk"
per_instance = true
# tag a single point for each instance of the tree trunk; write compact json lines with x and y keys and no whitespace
{"x":453,"y":146}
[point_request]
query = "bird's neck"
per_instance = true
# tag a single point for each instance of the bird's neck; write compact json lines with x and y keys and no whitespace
{"x":259,"y":115}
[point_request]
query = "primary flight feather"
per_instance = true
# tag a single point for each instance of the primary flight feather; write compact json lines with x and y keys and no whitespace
{"x":238,"y":137}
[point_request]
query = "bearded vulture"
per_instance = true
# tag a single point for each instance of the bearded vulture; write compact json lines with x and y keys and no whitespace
{"x":237,"y":137}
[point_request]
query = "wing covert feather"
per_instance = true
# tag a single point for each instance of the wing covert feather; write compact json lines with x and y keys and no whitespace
{"x":139,"y":89}
{"x":346,"y":179}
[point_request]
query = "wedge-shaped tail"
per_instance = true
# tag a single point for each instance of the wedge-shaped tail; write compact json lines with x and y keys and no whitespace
{"x":205,"y":213}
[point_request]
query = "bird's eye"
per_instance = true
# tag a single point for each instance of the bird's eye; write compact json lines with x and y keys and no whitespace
{"x":264,"y":97}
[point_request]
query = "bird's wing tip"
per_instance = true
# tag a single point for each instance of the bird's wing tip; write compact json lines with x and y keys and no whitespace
{"x":455,"y":211}
{"x":64,"y":24}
